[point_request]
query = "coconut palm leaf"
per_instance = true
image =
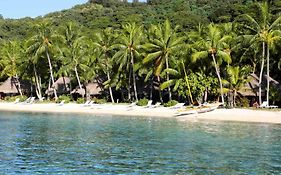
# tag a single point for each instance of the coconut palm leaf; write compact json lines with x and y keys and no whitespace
{"x":225,"y":56}
{"x":152,"y":56}
{"x":199,"y":55}
{"x":167,"y":84}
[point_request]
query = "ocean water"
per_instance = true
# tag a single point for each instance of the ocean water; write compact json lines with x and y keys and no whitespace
{"x":88,"y":144}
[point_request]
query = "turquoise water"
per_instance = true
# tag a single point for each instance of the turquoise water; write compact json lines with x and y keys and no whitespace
{"x":67,"y":144}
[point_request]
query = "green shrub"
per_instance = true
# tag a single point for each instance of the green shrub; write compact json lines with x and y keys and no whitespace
{"x":243,"y":102}
{"x":142,"y":102}
{"x":45,"y":101}
{"x":13,"y":98}
{"x":81,"y":100}
{"x":170,"y":103}
{"x":66,"y":98}
{"x":99,"y":101}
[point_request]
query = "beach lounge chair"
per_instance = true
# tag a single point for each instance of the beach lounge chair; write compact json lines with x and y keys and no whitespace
{"x":61,"y":103}
{"x":177,"y":106}
{"x":149,"y":104}
{"x":17,"y":101}
{"x":87,"y":103}
{"x":29,"y":100}
{"x":132,"y":104}
{"x":156,"y":105}
{"x":32,"y":99}
{"x":272,"y":106}
{"x":264,"y":104}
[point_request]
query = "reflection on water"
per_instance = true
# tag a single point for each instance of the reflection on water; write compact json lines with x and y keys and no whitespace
{"x":45,"y":143}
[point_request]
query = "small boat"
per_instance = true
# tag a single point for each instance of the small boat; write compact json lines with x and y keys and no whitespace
{"x":198,"y":110}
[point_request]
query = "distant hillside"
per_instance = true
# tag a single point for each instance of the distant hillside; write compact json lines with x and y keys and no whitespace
{"x":99,"y":14}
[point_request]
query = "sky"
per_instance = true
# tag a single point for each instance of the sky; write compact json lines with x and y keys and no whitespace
{"x":16,"y":9}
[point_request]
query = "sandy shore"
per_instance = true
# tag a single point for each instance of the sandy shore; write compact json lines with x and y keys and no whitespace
{"x":239,"y":115}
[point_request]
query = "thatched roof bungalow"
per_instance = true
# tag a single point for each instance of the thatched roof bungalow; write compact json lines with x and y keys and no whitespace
{"x":93,"y":88}
{"x":90,"y":89}
{"x":11,"y":86}
{"x":251,"y":89}
{"x":62,"y":86}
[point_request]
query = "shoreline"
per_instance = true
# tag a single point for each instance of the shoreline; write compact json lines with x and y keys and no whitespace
{"x":235,"y":115}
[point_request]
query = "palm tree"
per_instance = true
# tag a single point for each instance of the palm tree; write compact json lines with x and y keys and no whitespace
{"x":75,"y":52}
{"x":262,"y":31}
{"x":163,"y":43}
{"x":180,"y":77}
{"x":31,"y":63}
{"x":41,"y":43}
{"x":237,"y":78}
{"x":272,"y":38}
{"x":128,"y":45}
{"x":11,"y":61}
{"x":214,"y":44}
{"x":103,"y":43}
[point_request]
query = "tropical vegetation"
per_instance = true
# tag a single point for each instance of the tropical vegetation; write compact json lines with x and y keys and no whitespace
{"x":183,"y":50}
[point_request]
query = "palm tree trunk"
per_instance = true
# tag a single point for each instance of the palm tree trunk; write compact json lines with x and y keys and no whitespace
{"x":219,"y":77}
{"x":234,"y":97}
{"x":37,"y":85}
{"x":77,"y":77}
{"x":187,"y":82}
{"x":206,"y":95}
{"x":261,"y":72}
{"x":19,"y":85}
{"x":151,"y":89}
{"x":159,"y":90}
{"x":134,"y":76}
{"x":168,"y":78}
{"x":110,"y":89}
{"x":129,"y":86}
{"x":51,"y":73}
{"x":267,"y":72}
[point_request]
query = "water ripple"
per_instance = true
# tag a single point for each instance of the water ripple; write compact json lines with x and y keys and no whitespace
{"x":65,"y":144}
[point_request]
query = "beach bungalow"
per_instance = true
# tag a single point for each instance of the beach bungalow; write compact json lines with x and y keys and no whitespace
{"x":62,"y":86}
{"x":92,"y":89}
{"x":11,"y":87}
{"x":251,"y":89}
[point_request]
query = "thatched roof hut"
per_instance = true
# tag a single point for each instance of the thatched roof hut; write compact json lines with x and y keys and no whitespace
{"x":11,"y":86}
{"x":92,"y":88}
{"x":79,"y":91}
{"x":252,"y":87}
{"x":62,"y":86}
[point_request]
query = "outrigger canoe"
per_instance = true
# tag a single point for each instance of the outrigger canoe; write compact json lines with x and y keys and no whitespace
{"x":198,"y":110}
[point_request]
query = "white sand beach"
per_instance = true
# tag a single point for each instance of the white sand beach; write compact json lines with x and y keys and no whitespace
{"x":239,"y":115}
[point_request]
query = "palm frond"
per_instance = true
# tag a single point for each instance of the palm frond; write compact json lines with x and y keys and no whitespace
{"x":167,"y":84}
{"x":151,"y":57}
{"x":199,"y":55}
{"x":171,"y":71}
{"x":225,"y":56}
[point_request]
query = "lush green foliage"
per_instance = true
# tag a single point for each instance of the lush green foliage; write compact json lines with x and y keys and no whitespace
{"x":170,"y":103}
{"x":14,"y":98}
{"x":80,"y":100}
{"x":190,"y":50}
{"x":142,"y":102}
{"x":99,"y":101}
{"x":65,"y":98}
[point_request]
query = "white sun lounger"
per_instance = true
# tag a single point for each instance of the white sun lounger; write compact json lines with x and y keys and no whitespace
{"x":29,"y":100}
{"x":17,"y":100}
{"x":87,"y":103}
{"x":265,"y":105}
{"x":177,"y":106}
{"x":61,"y":103}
